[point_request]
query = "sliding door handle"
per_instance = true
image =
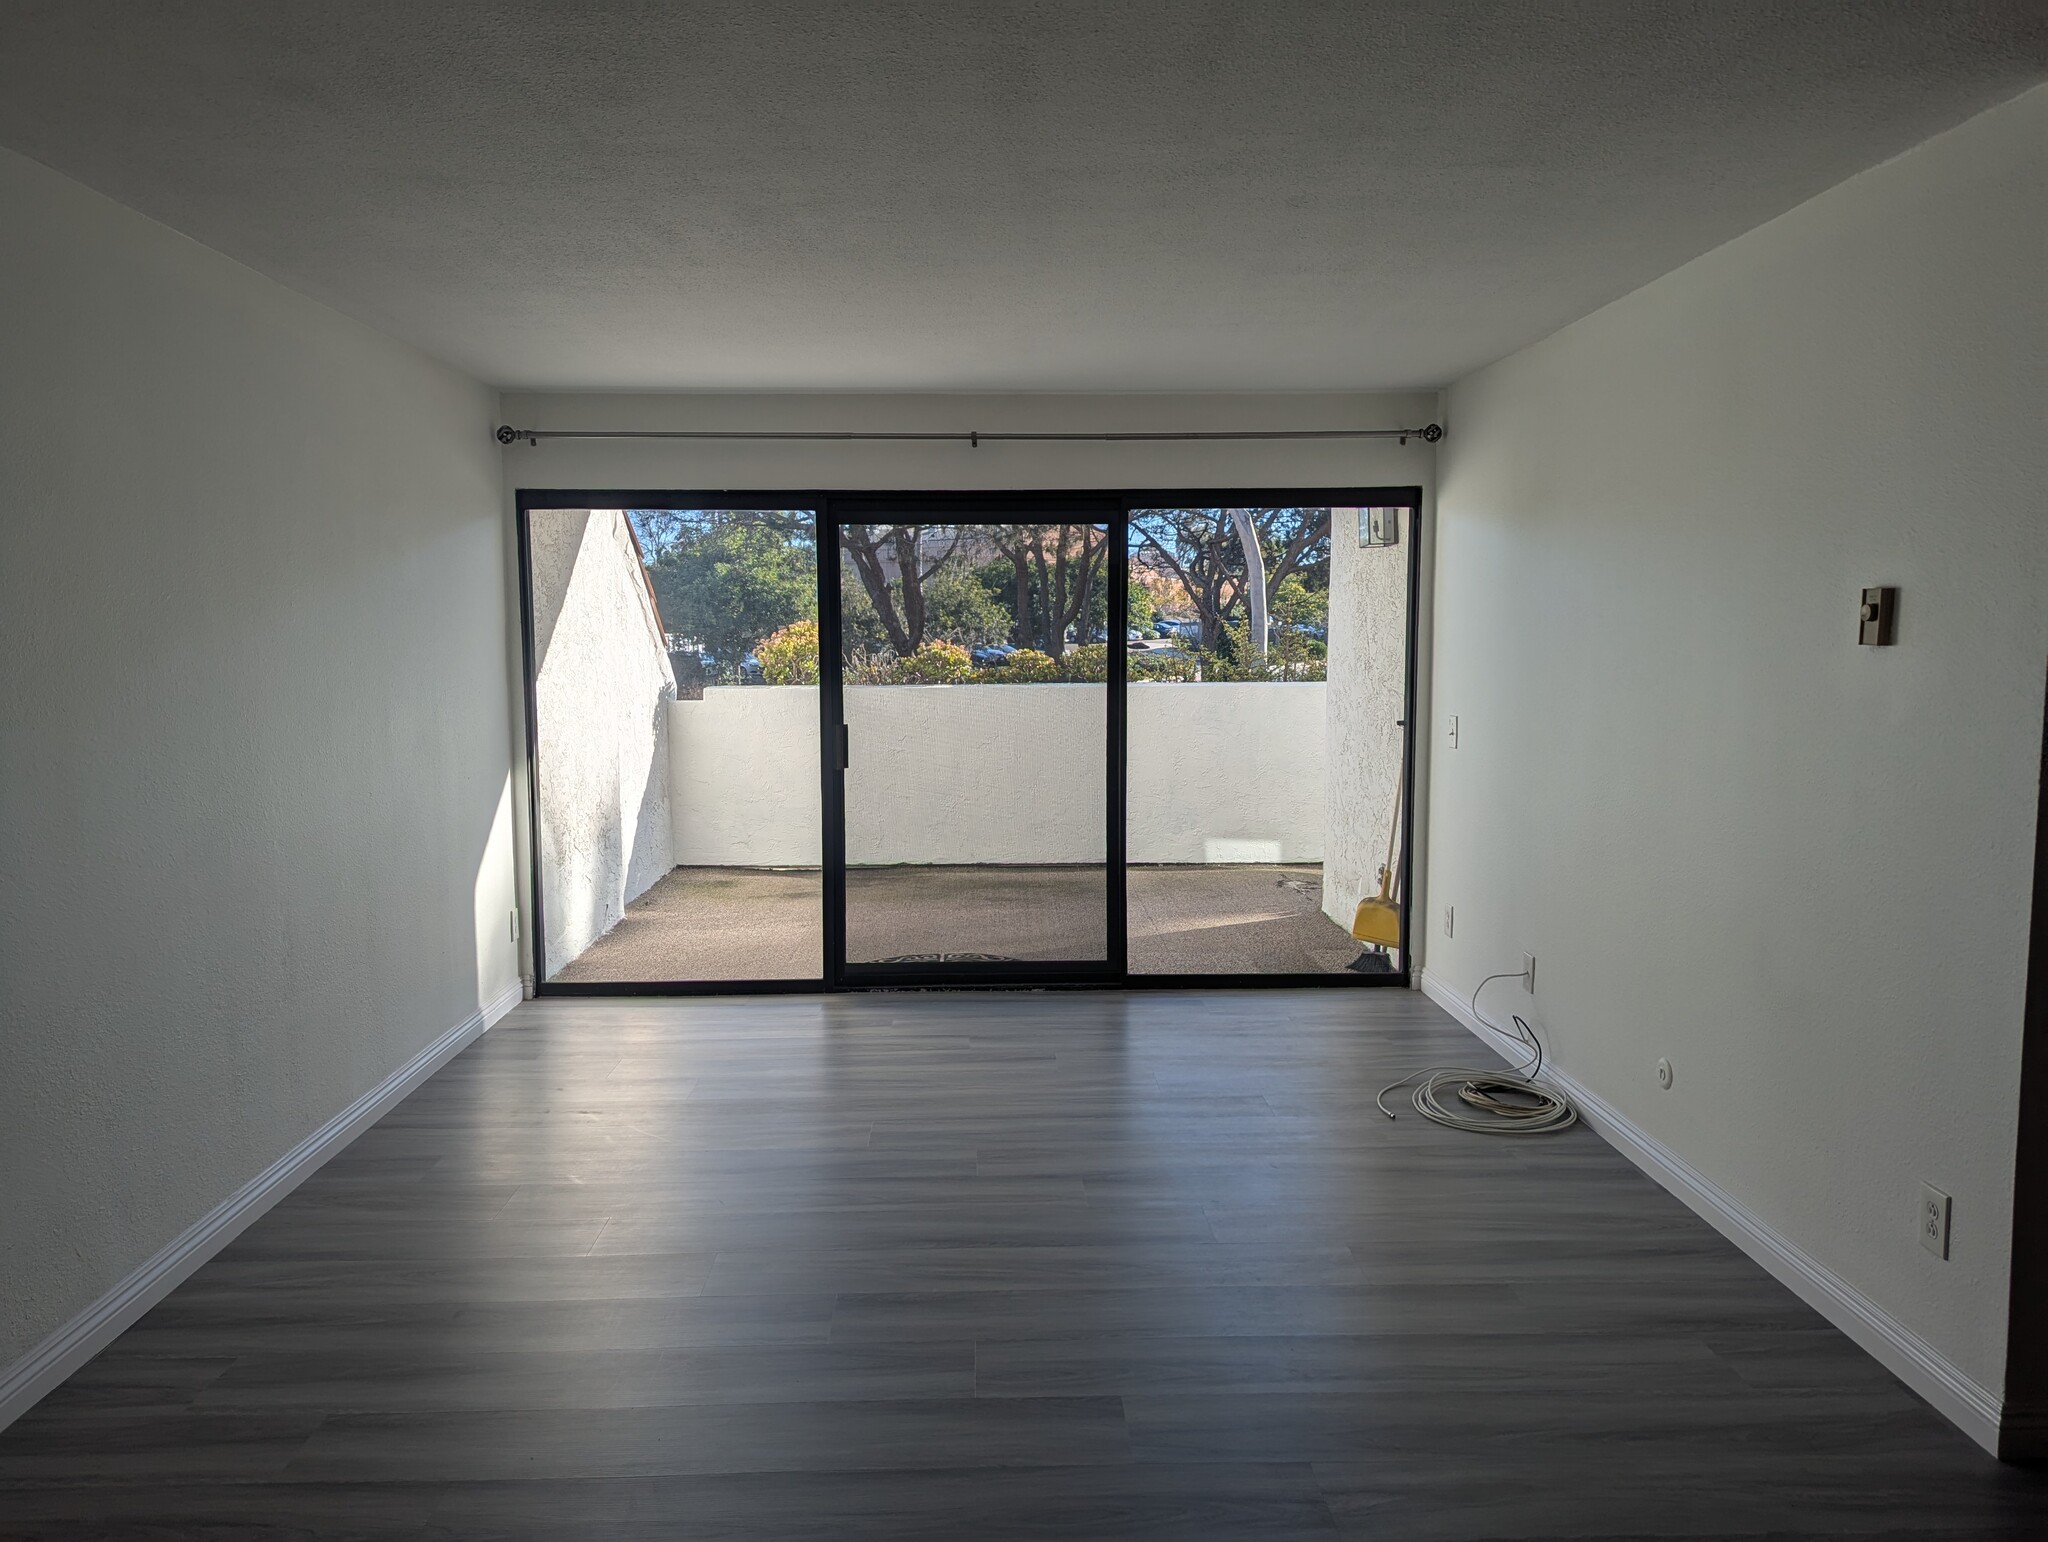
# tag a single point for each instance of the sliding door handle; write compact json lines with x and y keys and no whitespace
{"x":845,"y":749}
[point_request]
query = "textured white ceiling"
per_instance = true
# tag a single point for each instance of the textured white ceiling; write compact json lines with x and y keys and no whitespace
{"x":984,"y":194}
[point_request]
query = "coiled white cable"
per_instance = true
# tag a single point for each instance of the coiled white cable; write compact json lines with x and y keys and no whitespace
{"x":1509,"y":1102}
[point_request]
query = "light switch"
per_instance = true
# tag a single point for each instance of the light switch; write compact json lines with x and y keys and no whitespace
{"x":1876,"y":617}
{"x":1452,"y":732}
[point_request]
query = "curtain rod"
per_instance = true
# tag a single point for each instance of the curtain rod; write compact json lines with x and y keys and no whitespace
{"x":507,"y":434}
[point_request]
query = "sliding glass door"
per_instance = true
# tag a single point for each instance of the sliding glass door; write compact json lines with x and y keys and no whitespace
{"x":1267,"y":661}
{"x":805,"y":740}
{"x":975,"y":823}
{"x":673,"y":714}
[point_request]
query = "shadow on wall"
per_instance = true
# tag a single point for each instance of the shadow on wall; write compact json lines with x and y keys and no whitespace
{"x":602,"y":688}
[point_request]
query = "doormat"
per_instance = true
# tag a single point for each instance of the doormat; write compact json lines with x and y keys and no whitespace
{"x":950,"y":958}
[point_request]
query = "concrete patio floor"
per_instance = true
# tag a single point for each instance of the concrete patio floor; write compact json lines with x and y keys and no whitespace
{"x":728,"y":923}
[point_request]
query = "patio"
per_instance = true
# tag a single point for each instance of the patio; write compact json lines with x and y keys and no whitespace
{"x":732,"y":923}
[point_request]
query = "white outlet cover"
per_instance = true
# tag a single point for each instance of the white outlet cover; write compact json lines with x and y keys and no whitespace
{"x":1935,"y":1210}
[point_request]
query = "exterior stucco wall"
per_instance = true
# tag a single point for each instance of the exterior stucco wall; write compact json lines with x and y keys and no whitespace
{"x":1001,"y":773}
{"x":743,"y":777}
{"x":1227,"y":772}
{"x":602,"y":689}
{"x":1368,"y":681}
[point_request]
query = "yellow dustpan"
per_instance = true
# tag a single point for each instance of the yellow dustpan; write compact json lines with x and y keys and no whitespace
{"x":1379,"y":916}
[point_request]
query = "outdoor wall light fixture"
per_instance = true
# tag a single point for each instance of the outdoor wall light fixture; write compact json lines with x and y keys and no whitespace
{"x":1379,"y":527}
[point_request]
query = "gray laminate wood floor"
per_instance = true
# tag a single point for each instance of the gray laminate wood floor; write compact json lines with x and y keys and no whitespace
{"x":982,"y":1266}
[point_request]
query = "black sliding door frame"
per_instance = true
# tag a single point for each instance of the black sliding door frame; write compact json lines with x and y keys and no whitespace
{"x":970,"y":509}
{"x":832,"y":510}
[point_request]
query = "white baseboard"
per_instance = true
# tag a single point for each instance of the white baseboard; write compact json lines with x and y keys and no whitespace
{"x":1970,"y":1407}
{"x":45,"y":1367}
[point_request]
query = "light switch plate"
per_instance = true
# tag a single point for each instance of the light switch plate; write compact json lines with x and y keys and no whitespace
{"x":1877,"y":617}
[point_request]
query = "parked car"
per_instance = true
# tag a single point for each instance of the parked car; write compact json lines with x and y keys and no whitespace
{"x":991,"y":655}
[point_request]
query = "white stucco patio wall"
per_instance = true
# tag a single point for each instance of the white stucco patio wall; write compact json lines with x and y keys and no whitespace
{"x":1368,"y":694}
{"x":1001,"y":773}
{"x":601,"y":688}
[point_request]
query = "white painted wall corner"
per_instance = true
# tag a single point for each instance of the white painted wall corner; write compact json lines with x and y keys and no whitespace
{"x":50,"y":1363}
{"x":1972,"y":1408}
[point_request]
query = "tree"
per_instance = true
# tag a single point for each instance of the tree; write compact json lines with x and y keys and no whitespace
{"x":1138,"y":608}
{"x":659,"y":529}
{"x":725,"y":583}
{"x":893,"y":563}
{"x":1296,"y":652}
{"x":1198,"y":551}
{"x":959,"y":607}
{"x":1056,"y":580}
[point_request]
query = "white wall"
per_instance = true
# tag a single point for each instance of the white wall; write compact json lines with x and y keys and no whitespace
{"x":254,"y":779}
{"x":602,"y":687}
{"x":743,"y":777}
{"x":1001,"y":773}
{"x":994,"y":773}
{"x":1226,"y":772}
{"x":1798,"y":868}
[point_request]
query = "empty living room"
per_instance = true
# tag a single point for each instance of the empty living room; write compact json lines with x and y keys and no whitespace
{"x":786,"y":771}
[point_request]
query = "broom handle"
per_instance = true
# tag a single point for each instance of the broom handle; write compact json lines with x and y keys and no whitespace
{"x":1393,"y":830}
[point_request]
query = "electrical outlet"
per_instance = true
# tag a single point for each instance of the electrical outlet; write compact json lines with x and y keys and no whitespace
{"x":1450,"y":919}
{"x":1934,"y":1214}
{"x":1529,"y":973}
{"x":1452,"y":732}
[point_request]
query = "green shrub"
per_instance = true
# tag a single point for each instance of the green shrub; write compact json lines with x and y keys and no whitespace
{"x":1027,"y":666}
{"x":936,"y":663}
{"x":1087,"y":663}
{"x":1153,"y":666}
{"x":790,"y":656}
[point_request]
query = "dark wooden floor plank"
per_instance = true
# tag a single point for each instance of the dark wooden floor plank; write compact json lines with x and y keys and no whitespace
{"x":994,"y":1266}
{"x":590,"y":1442}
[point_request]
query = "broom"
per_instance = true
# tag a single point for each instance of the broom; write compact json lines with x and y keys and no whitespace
{"x":1379,"y":916}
